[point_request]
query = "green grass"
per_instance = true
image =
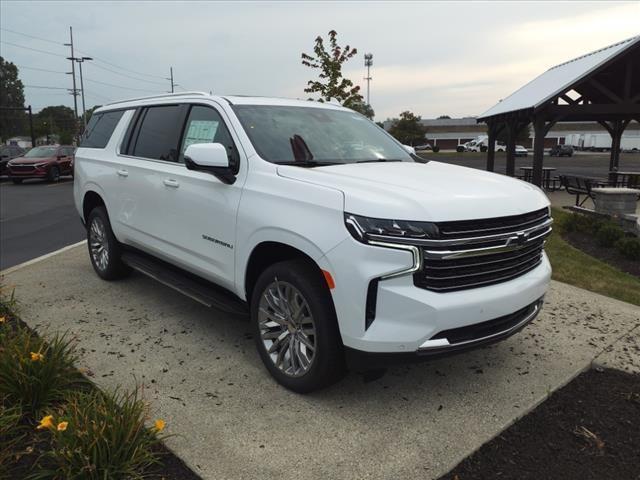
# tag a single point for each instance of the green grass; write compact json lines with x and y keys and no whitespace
{"x":575,"y":267}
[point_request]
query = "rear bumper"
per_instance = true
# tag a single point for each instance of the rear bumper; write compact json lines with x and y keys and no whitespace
{"x":478,"y":335}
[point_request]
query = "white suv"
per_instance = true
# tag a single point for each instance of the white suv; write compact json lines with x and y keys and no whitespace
{"x":346,"y":249}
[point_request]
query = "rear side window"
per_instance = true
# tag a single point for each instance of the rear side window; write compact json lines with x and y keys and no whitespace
{"x":100,"y":129}
{"x":159,"y":134}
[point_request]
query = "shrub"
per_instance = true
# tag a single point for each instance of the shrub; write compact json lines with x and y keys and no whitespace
{"x":576,"y":222}
{"x":436,"y":148}
{"x":100,"y":435}
{"x":35,"y":374}
{"x":11,"y":433}
{"x":608,"y":234}
{"x":629,"y":247}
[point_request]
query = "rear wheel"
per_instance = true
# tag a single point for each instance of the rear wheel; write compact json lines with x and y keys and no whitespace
{"x":295,"y":327}
{"x":104,"y":250}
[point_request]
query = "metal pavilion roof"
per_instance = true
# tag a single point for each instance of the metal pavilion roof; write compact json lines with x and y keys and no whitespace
{"x":558,"y":79}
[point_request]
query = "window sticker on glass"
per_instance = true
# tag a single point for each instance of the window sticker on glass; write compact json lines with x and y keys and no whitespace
{"x":201,"y":131}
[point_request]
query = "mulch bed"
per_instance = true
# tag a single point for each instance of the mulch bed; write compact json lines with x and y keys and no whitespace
{"x":590,"y":429}
{"x":588,"y":245}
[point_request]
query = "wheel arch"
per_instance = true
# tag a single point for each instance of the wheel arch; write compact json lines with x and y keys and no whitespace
{"x":267,"y":253}
{"x":91,"y":200}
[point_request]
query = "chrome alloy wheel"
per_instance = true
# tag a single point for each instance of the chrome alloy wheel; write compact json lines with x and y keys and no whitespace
{"x":98,"y":244}
{"x":287,"y":328}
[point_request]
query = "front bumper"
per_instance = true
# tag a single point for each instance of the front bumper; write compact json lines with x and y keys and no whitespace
{"x":460,"y":340}
{"x":408,"y":318}
{"x":40,"y":172}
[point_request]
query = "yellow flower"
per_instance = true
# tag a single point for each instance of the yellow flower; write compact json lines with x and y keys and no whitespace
{"x":159,"y":425}
{"x":46,"y":422}
{"x":62,"y":426}
{"x":37,"y":357}
{"x":3,"y":319}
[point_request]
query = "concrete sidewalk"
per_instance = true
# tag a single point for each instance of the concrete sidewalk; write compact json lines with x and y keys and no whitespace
{"x":202,"y":374}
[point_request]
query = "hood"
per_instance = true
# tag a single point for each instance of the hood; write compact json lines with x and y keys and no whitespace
{"x":31,"y":161}
{"x":432,"y":191}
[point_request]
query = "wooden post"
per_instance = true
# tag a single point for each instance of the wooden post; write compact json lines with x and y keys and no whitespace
{"x":538,"y":150}
{"x":491,"y":147}
{"x":511,"y":147}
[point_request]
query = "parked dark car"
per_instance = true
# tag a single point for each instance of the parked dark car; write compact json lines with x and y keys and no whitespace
{"x":48,"y":162}
{"x":8,"y":152}
{"x":561,"y":151}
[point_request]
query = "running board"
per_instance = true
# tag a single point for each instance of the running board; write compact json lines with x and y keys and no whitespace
{"x":197,"y":288}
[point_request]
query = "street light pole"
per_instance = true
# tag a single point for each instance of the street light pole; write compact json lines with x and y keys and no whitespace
{"x":80,"y":61}
{"x":368,"y":62}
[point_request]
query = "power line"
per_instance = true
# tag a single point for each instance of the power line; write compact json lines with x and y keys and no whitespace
{"x":125,"y":75}
{"x":98,"y":59}
{"x":33,"y":49}
{"x":31,"y":36}
{"x":120,"y":86}
{"x":46,"y":87}
{"x":40,"y":69}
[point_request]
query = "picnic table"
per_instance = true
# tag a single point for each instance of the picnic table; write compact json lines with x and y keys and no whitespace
{"x":625,"y":179}
{"x":547,"y":182}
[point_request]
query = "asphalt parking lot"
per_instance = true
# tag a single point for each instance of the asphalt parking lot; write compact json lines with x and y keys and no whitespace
{"x":36,"y":218}
{"x":202,"y":374}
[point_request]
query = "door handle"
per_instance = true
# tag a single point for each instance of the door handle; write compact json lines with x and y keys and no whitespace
{"x":123,"y":173}
{"x":170,"y":182}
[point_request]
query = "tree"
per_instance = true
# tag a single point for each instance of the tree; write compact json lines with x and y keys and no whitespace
{"x":522,"y":136}
{"x":363,"y":108}
{"x":444,"y":117}
{"x":59,"y":120}
{"x":91,"y":110}
{"x":11,"y":95}
{"x":408,"y":129}
{"x":331,"y":83}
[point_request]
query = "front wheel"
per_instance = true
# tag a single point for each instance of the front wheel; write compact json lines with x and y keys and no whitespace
{"x":295,"y":327}
{"x":104,"y":250}
{"x":17,"y":181}
{"x":54,"y":174}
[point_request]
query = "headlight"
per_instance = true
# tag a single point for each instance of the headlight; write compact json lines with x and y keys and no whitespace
{"x":364,"y":229}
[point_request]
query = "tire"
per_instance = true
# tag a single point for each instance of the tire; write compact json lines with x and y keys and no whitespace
{"x":105,"y":251}
{"x":302,"y":287}
{"x":54,"y":174}
{"x":17,"y":181}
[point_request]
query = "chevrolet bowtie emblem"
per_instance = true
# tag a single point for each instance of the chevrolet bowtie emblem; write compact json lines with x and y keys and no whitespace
{"x":519,"y":238}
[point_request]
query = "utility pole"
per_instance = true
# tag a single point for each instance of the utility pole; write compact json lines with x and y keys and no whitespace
{"x":368,"y":62}
{"x":171,"y":79}
{"x":80,"y":61}
{"x":74,"y":92}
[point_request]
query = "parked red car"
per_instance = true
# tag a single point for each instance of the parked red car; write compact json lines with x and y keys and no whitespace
{"x":46,"y":162}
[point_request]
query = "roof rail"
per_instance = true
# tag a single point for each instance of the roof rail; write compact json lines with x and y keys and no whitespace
{"x":170,"y":95}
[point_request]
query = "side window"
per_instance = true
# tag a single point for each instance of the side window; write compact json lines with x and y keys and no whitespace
{"x":100,"y":128}
{"x":159,"y":133}
{"x":204,"y":125}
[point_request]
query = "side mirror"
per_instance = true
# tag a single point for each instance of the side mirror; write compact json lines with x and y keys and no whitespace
{"x":211,"y":158}
{"x":409,"y":149}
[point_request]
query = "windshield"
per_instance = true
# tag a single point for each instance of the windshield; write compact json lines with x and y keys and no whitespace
{"x":316,"y":136}
{"x":41,"y":152}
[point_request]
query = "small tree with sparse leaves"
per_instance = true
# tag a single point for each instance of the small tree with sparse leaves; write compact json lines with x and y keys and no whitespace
{"x":331,"y":83}
{"x":408,"y":129}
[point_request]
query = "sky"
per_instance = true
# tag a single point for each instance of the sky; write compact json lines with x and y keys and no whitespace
{"x":432,"y":58}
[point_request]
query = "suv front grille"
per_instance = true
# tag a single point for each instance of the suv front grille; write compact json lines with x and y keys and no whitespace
{"x":476,"y":253}
{"x":22,"y":168}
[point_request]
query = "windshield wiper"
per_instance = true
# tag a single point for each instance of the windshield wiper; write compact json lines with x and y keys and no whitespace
{"x":379,"y":160}
{"x":307,"y":163}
